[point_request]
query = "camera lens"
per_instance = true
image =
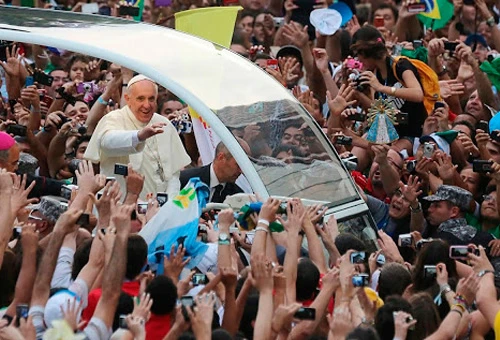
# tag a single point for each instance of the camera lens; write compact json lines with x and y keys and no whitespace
{"x":82,"y":130}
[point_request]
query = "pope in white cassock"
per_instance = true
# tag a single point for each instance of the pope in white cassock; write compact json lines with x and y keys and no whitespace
{"x":136,"y":134}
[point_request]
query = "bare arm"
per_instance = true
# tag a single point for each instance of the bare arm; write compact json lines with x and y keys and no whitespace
{"x":5,"y":211}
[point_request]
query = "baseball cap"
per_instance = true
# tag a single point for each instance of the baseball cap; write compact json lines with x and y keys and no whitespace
{"x":441,"y":143}
{"x":326,"y":21}
{"x":290,"y":50}
{"x":476,"y":38}
{"x":455,"y":195}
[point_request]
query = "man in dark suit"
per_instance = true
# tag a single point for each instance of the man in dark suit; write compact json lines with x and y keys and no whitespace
{"x":220,"y":175}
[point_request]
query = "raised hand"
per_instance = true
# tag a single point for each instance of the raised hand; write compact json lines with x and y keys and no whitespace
{"x":389,"y":248}
{"x":19,"y":198}
{"x":87,"y":181}
{"x":72,"y":313}
{"x":296,"y":35}
{"x":467,"y":287}
{"x":150,"y":131}
{"x":411,"y":191}
{"x":445,"y":167}
{"x":451,"y":88}
{"x":283,"y":317}
{"x":321,"y":59}
{"x":262,"y":273}
{"x":342,"y":100}
{"x":67,"y":221}
{"x":142,"y":307}
{"x":121,"y":217}
{"x":201,"y":316}
{"x":380,"y":152}
{"x":174,"y":263}
{"x":468,"y":145}
{"x":402,"y":322}
{"x":134,"y":181}
{"x":269,"y":209}
{"x":12,"y":66}
{"x":103,"y":204}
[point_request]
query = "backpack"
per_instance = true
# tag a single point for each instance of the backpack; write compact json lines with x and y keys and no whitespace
{"x":428,"y":79}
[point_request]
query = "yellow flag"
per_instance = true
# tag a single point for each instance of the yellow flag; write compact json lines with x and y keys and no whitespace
{"x":215,"y":24}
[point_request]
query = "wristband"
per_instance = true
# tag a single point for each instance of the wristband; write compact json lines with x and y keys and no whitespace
{"x":263,"y":221}
{"x":100,"y":100}
{"x":460,"y":307}
{"x":261,"y":229}
{"x":456,"y":310}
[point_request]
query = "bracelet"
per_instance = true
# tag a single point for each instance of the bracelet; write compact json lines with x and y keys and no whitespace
{"x":417,"y":209}
{"x":100,"y":100}
{"x":444,"y":288}
{"x":124,"y":85}
{"x":261,"y":229}
{"x":462,"y":307}
{"x":59,"y":97}
{"x":456,"y":310}
{"x":461,"y":300}
{"x":263,"y":221}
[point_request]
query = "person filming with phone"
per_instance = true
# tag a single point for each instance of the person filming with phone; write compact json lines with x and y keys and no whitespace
{"x":136,"y":134}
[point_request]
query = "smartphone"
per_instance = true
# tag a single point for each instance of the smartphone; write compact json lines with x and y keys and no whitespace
{"x":380,"y":259}
{"x":110,"y":179}
{"x":430,"y":271}
{"x":187,"y":301}
{"x":438,"y":105}
{"x":121,"y":169}
{"x":278,"y":21}
{"x":428,"y":150}
{"x":343,"y":140}
{"x":48,"y":100}
{"x":416,"y":8}
{"x":282,"y":208}
{"x":43,"y":79}
{"x":162,"y":198}
{"x":199,"y":279}
{"x":481,"y":166}
{"x":417,"y":44}
{"x":396,"y":50}
{"x":378,"y":22}
{"x":483,"y":125}
{"x":4,"y":44}
{"x":450,"y":45}
{"x":357,"y":117}
{"x":17,"y":130}
{"x":272,"y":64}
{"x":84,"y":219}
{"x":304,"y":313}
{"x":142,"y":208}
{"x":22,"y":310}
{"x":360,"y":280}
{"x":29,"y":81}
{"x":358,"y":257}
{"x":402,"y":118}
{"x":405,"y":240}
{"x":92,"y":8}
{"x":459,"y":252}
{"x":123,"y":322}
{"x":66,"y":192}
{"x":128,"y":10}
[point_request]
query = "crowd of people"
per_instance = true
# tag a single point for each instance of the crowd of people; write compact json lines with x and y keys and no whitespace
{"x":90,"y":150}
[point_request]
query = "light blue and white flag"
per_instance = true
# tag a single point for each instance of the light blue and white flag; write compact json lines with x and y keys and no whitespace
{"x":177,"y":223}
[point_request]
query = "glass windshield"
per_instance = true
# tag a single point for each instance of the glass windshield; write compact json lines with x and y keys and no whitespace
{"x":289,"y":152}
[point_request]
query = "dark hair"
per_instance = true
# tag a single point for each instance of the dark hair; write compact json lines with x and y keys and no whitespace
{"x":393,"y":280}
{"x":469,"y":126}
{"x":385,"y":6}
{"x":246,"y":13}
{"x":307,"y":279}
{"x":384,"y":320}
{"x":82,"y":139}
{"x":125,"y":307}
{"x":426,"y":314}
{"x":432,"y":253}
{"x":58,"y":69}
{"x":362,"y":332}
{"x":346,"y":241}
{"x":137,"y":252}
{"x":164,"y":294}
{"x":249,"y":315}
{"x":81,"y":257}
{"x":74,"y":59}
{"x":368,"y":42}
{"x":221,"y":334}
{"x":9,"y":273}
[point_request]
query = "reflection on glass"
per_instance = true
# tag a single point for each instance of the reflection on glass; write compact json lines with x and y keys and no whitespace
{"x":289,"y":152}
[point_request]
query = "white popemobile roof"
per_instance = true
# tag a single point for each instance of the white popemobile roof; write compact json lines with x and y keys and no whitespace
{"x":228,"y":91}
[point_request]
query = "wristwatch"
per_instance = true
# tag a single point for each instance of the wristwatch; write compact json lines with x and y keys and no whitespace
{"x":417,"y":209}
{"x":484,"y":272}
{"x":224,"y":239}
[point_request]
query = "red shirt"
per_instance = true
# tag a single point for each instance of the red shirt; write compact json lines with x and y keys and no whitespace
{"x":131,"y":288}
{"x":157,"y":327}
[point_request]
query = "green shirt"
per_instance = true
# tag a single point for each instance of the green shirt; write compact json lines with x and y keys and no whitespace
{"x":473,"y":221}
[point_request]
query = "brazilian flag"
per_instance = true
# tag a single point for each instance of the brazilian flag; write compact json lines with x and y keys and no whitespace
{"x":437,"y":14}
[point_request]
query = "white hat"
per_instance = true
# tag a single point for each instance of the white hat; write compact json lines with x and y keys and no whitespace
{"x":326,"y":21}
{"x":138,"y":78}
{"x":209,"y":261}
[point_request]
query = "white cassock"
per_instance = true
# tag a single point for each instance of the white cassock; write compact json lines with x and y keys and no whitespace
{"x":159,"y":158}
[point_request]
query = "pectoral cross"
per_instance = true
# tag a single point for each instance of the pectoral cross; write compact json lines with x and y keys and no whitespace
{"x":160,"y":171}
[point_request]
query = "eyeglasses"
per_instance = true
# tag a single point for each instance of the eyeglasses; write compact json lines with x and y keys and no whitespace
{"x":33,"y":217}
{"x":487,"y":198}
